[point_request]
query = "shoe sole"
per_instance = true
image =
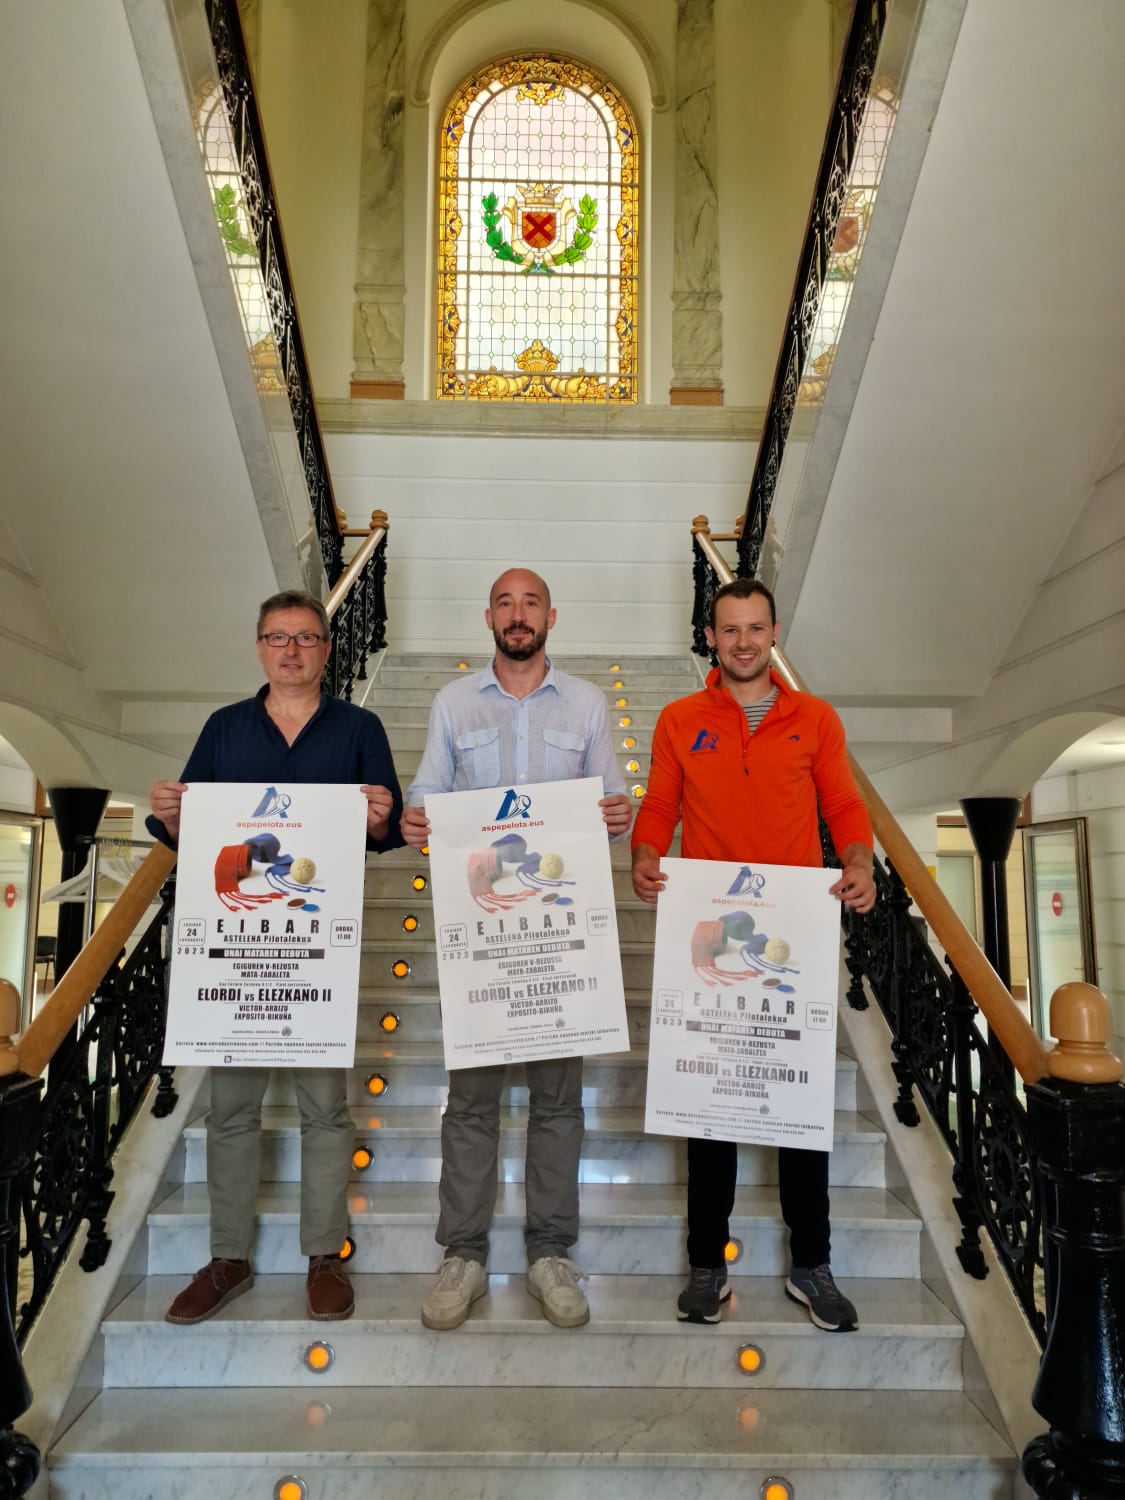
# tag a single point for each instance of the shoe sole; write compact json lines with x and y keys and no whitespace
{"x":554,"y":1318}
{"x":443,"y":1325}
{"x":696,"y":1316}
{"x":235,"y":1291}
{"x":332,"y":1317}
{"x":799,"y":1297}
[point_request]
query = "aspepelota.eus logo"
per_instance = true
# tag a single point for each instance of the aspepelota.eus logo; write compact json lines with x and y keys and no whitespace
{"x":274,"y":804}
{"x":705,"y":740}
{"x":515,"y":805}
{"x":747,"y":882}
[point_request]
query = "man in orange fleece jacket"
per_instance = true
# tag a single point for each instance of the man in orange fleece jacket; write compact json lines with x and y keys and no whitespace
{"x":746,"y":763}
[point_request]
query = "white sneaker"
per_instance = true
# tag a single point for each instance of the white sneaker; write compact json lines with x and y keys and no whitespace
{"x":459,"y":1284}
{"x":554,"y":1281}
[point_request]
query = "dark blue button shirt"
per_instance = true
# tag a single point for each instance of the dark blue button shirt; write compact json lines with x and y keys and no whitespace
{"x":341,"y":743}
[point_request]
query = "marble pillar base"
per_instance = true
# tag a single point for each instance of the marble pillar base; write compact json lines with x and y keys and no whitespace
{"x":696,"y":395}
{"x":378,"y":390}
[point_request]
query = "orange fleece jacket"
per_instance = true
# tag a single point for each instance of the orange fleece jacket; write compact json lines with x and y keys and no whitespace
{"x":750,"y":797}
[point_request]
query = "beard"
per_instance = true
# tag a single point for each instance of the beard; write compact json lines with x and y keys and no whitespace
{"x":522,"y":652}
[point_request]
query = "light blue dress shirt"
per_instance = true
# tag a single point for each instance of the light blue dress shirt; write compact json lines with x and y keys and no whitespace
{"x":481,"y":736}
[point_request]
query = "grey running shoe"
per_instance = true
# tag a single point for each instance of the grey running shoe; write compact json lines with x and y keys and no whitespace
{"x":828,"y":1307}
{"x":460,"y":1282}
{"x":702,"y":1299}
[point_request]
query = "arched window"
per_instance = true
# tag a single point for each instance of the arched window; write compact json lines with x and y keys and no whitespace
{"x":537,"y":236}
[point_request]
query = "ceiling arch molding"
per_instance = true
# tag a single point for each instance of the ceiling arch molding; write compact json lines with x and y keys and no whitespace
{"x":443,"y":29}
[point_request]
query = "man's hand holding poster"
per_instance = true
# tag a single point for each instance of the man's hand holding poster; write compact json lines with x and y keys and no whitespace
{"x":265,"y":941}
{"x":745,"y":983}
{"x":528,"y":960}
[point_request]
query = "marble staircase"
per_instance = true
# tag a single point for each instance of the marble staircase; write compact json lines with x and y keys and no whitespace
{"x":633,"y":1407}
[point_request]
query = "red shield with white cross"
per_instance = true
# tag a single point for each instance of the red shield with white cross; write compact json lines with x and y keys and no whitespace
{"x":539,"y":228}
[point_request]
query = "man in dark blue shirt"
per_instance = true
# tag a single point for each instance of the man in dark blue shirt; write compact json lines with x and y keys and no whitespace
{"x":292,"y":731}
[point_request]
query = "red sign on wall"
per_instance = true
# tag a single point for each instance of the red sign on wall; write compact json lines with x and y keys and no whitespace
{"x":10,"y":894}
{"x":1056,"y":903}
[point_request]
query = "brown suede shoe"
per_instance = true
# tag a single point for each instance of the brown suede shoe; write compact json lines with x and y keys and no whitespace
{"x":329,"y":1289}
{"x":218,"y":1283}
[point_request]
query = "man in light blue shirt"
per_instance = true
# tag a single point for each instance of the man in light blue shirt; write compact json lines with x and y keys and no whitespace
{"x":519,"y":721}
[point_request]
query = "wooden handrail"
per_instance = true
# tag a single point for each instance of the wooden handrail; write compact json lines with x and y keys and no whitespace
{"x":1017,"y":1037}
{"x":374,"y":534}
{"x":37,"y":1045}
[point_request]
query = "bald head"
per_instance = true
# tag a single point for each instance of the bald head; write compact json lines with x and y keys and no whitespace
{"x":521,"y":582}
{"x":519,"y":614}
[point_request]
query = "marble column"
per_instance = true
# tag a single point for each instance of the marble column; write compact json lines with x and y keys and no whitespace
{"x":697,"y":320}
{"x":379,"y":320}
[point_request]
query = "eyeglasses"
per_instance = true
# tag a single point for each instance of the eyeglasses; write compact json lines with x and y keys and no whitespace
{"x":306,"y":639}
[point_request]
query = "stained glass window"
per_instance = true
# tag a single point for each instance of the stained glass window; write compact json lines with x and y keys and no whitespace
{"x":537,"y":236}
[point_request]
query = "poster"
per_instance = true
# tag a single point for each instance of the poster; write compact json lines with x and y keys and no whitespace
{"x":745,"y":988}
{"x":265,"y":941}
{"x":528,"y":960}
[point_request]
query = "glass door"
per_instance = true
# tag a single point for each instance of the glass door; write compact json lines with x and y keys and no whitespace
{"x":20,"y":845}
{"x":1060,"y":923}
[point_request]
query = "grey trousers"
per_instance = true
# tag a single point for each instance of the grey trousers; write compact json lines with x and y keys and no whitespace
{"x":234,"y":1150}
{"x":470,"y":1141}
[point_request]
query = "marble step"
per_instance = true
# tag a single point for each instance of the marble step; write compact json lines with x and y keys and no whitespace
{"x":405,"y":1145}
{"x":554,"y":1443}
{"x":675,"y":684}
{"x":421,"y":1014}
{"x":398,"y":718}
{"x":639,"y":694}
{"x":907,"y":1339}
{"x":592,"y":666}
{"x":383,"y":917}
{"x":414,"y":1073}
{"x":626,"y":1229}
{"x":379,"y":958}
{"x":392,"y":878}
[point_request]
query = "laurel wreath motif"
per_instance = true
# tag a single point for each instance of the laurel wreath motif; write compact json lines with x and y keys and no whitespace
{"x":585,"y":223}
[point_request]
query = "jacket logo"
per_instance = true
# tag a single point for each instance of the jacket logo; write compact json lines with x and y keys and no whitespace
{"x":794,"y":736}
{"x":706,"y":739}
{"x":515,"y":805}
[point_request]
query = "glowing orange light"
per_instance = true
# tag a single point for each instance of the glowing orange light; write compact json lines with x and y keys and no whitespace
{"x":616,"y":667}
{"x":389,"y":1021}
{"x":618,"y":683}
{"x":462,"y":666}
{"x":637,"y":791}
{"x":629,"y":742}
{"x":361,"y":1156}
{"x":732,"y":1251}
{"x":625,"y":721}
{"x":376,"y":1083}
{"x":750,"y":1359}
{"x":621,"y":703}
{"x":424,"y":850}
{"x":319,"y":1357}
{"x":410,"y":924}
{"x":777,"y":1489}
{"x":347,"y":1249}
{"x":400,"y":968}
{"x":419,"y":882}
{"x":633,"y":765}
{"x":289,"y":1489}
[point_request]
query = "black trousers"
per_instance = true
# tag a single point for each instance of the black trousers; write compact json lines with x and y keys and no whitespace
{"x":803,"y":1179}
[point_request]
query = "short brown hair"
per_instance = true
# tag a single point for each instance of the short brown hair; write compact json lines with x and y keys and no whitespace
{"x":744,"y":588}
{"x":295,"y":599}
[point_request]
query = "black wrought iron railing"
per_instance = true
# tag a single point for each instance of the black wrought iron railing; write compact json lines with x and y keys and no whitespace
{"x":357,"y":608}
{"x":87,"y":1109}
{"x":940,"y":1052}
{"x":265,"y":230}
{"x":837,"y":158}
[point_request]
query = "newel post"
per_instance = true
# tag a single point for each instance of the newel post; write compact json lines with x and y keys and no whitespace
{"x":1077,"y":1120}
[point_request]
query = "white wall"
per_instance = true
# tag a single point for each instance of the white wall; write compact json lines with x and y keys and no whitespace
{"x":606,"y":523}
{"x":1099,"y":797}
